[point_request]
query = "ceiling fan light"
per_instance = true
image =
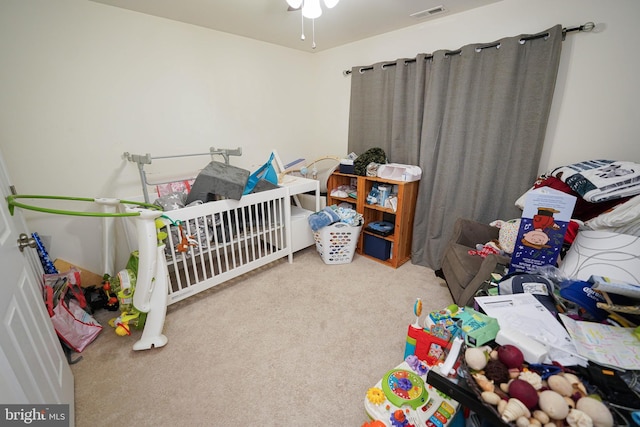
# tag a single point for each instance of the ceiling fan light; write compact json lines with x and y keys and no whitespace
{"x":330,"y":3}
{"x":295,"y":4}
{"x":311,"y":9}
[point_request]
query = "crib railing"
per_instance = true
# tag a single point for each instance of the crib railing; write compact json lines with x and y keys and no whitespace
{"x":211,"y":243}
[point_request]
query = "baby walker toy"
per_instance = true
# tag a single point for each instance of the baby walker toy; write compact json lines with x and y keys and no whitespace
{"x":403,"y":398}
{"x":151,"y":293}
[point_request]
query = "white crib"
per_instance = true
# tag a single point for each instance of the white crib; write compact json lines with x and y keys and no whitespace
{"x":228,"y":238}
{"x":219,"y":241}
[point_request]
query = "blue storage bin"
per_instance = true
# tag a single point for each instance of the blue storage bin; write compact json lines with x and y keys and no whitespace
{"x":377,"y":247}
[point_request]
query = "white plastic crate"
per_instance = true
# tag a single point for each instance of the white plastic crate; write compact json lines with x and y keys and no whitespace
{"x":337,"y":243}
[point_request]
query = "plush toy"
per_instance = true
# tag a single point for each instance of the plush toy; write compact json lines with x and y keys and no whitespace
{"x":508,"y":233}
{"x":492,"y":247}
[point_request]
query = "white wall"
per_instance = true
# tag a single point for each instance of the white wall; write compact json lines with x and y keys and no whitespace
{"x":82,"y":83}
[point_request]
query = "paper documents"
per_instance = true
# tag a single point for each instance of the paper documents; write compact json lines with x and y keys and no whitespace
{"x":605,"y":344}
{"x":524,"y":313}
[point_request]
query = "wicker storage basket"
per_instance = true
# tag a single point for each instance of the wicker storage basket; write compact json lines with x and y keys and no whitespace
{"x":337,"y":243}
{"x":475,"y":387}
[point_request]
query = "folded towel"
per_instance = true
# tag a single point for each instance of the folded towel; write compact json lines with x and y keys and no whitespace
{"x":326,"y":216}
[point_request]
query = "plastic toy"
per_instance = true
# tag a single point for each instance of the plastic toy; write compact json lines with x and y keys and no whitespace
{"x":152,"y":281}
{"x":185,"y":241}
{"x":112,"y":298}
{"x":376,"y":396}
{"x":404,"y":387}
{"x":403,"y":398}
{"x":416,"y":364}
{"x":399,"y":419}
{"x":417,"y":310}
{"x":304,"y":170}
{"x":124,"y":285}
{"x":121,"y":323}
{"x":152,"y":293}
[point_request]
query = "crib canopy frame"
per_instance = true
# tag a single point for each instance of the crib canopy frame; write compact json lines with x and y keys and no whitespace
{"x":147,"y":159}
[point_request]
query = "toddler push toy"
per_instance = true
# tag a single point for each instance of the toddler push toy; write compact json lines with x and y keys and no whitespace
{"x":152,"y":279}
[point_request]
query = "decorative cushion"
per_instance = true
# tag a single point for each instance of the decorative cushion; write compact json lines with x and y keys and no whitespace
{"x":508,"y":233}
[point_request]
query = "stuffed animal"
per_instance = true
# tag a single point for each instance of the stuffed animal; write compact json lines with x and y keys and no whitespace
{"x":492,"y":247}
{"x":508,"y":233}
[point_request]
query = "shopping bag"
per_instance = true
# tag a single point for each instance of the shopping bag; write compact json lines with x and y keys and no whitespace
{"x":266,"y":172}
{"x":57,"y":284}
{"x":74,"y":326}
{"x":65,"y":302}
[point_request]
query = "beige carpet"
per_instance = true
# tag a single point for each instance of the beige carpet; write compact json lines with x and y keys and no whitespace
{"x":287,"y":345}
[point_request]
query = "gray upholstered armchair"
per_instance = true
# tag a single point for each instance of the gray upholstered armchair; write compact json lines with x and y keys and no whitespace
{"x":465,"y":273}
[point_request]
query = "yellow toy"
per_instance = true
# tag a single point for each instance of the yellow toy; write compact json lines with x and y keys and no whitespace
{"x":121,"y":323}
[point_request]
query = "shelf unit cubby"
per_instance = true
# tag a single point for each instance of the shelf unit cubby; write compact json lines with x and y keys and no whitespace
{"x":402,"y":217}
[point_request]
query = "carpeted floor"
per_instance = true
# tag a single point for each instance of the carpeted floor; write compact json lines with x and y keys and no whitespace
{"x":286,"y":345}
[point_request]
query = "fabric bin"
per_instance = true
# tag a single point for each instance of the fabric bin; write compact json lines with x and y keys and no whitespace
{"x":377,"y":247}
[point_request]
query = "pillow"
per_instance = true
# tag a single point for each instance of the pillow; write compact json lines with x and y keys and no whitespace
{"x":507,"y":234}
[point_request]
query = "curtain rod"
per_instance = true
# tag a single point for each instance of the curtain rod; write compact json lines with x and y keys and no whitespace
{"x":589,"y":26}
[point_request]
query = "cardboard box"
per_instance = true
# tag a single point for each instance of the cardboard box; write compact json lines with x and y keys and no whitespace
{"x":87,"y":278}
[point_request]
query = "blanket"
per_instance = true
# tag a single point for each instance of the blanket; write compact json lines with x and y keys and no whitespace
{"x":601,"y":180}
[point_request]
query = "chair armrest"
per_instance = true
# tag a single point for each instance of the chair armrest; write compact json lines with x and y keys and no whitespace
{"x":489,"y":265}
{"x":469,"y":233}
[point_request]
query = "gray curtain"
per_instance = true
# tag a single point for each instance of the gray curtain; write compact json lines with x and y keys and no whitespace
{"x":474,"y":120}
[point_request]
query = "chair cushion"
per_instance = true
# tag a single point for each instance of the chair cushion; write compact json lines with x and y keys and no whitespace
{"x":458,"y":266}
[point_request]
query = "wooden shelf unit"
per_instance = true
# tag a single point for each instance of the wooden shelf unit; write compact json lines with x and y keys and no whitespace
{"x":402,"y":218}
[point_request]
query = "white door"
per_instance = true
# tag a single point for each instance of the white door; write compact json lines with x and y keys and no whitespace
{"x":33,"y":367}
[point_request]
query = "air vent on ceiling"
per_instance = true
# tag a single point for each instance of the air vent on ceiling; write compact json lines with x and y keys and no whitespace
{"x":429,"y":12}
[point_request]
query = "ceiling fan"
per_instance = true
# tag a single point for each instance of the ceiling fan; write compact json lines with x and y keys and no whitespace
{"x":310,"y":9}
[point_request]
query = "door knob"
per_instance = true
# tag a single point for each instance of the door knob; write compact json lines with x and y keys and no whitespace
{"x":26,"y":241}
